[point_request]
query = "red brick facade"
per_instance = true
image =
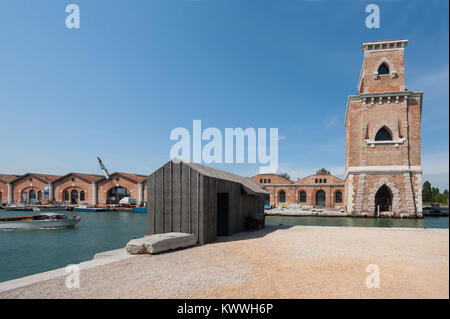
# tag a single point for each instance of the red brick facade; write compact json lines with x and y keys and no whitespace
{"x":383,"y":172}
{"x":73,"y":188}
{"x":321,"y":190}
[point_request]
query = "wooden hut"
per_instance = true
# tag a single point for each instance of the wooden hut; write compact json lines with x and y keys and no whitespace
{"x":192,"y":198}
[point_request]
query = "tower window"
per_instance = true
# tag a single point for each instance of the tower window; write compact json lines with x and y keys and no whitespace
{"x":383,"y":135}
{"x":383,"y":69}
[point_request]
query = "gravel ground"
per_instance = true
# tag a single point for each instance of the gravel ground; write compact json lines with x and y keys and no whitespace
{"x":277,"y":262}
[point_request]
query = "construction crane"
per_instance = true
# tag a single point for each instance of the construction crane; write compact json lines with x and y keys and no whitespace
{"x":103,"y":168}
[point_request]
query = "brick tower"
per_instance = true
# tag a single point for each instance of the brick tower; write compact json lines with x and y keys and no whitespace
{"x":383,"y":173}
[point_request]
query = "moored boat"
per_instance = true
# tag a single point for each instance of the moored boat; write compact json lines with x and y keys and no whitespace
{"x":43,"y":220}
{"x":140,"y":209}
{"x":14,"y":207}
{"x":91,"y":209}
{"x":49,"y":209}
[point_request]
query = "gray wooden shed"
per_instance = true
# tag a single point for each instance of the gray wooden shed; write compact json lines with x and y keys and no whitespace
{"x":196,"y":199}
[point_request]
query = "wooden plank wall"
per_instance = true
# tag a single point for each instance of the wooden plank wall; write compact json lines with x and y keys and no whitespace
{"x":182,"y":200}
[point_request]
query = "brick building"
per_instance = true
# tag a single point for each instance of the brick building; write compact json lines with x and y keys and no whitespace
{"x":121,"y":185}
{"x":72,"y":188}
{"x":76,"y":188}
{"x":5,"y":187}
{"x":320,"y":190}
{"x":383,"y":165}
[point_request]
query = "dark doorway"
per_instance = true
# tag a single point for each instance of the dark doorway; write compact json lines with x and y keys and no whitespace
{"x":74,"y":196}
{"x":222,"y":214}
{"x":320,"y":198}
{"x":383,"y":198}
{"x":32,"y":195}
{"x":115,"y":194}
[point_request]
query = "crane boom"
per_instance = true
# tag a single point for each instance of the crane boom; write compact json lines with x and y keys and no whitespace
{"x":103,"y":168}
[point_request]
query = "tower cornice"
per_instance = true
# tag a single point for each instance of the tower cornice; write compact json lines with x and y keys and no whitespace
{"x":384,"y":45}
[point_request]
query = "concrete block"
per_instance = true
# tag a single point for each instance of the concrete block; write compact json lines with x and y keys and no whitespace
{"x":154,"y":244}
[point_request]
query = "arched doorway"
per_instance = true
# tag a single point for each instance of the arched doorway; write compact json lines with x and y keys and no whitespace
{"x":74,"y":196}
{"x":282,"y":196}
{"x":383,"y":199}
{"x":320,"y":198}
{"x":32,"y":196}
{"x":115,"y":194}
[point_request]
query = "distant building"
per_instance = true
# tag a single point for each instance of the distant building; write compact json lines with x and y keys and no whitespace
{"x":320,"y":190}
{"x":72,"y":188}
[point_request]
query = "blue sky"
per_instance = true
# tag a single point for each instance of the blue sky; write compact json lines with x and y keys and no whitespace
{"x":135,"y":70}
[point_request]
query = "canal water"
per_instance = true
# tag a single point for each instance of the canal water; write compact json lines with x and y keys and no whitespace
{"x":427,"y":222}
{"x":27,"y":252}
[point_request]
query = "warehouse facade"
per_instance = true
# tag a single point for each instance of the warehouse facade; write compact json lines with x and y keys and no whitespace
{"x":192,"y":198}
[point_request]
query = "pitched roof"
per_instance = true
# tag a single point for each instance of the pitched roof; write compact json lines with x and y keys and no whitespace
{"x":7,"y":178}
{"x":91,"y":178}
{"x":249,"y":185}
{"x":46,"y":178}
{"x":136,"y":178}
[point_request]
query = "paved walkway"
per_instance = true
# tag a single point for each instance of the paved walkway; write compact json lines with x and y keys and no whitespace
{"x":278,"y":262}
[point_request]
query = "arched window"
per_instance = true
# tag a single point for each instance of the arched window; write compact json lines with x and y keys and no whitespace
{"x":82,"y":196}
{"x":325,"y":180}
{"x":265,"y":180}
{"x":261,"y":180}
{"x":39,"y":196}
{"x":383,"y":135}
{"x":320,"y":180}
{"x":338,"y":197}
{"x":302,"y":197}
{"x":316,"y":180}
{"x":282,"y":195}
{"x":66,"y":195}
{"x":383,"y":69}
{"x":0,"y":198}
{"x":269,"y":181}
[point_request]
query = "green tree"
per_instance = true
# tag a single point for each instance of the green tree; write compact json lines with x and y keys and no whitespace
{"x":434,"y":194}
{"x":323,"y":171}
{"x":284,"y":175}
{"x":426,"y":192}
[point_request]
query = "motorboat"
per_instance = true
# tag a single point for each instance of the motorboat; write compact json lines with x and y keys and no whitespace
{"x":43,"y":220}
